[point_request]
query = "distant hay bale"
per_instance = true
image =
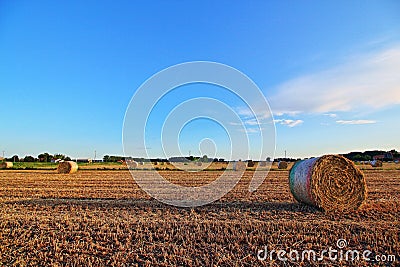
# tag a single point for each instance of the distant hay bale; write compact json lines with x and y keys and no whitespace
{"x":199,"y":163}
{"x":250,"y":163}
{"x":376,"y":163}
{"x":141,"y":163}
{"x":6,"y":165}
{"x":262,"y":164}
{"x":282,"y":165}
{"x":330,"y":182}
{"x":67,"y":167}
{"x":132,"y":164}
{"x":239,"y":166}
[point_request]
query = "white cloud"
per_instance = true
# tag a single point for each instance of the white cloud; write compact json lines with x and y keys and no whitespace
{"x":248,"y":122}
{"x":331,"y":115}
{"x":355,"y":122}
{"x":261,"y":112}
{"x":250,"y":130}
{"x":365,"y":82}
{"x":289,"y":123}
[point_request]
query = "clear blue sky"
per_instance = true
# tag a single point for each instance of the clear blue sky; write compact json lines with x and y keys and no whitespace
{"x":329,"y":69}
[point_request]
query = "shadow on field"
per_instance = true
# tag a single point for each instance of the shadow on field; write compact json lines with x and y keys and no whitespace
{"x":154,"y":204}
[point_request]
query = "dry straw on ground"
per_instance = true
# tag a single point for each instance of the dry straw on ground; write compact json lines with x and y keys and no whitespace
{"x":330,"y":182}
{"x":67,"y":167}
{"x":282,"y":165}
{"x":6,"y":165}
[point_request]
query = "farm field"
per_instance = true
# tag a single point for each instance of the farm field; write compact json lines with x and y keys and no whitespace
{"x":102,"y":218}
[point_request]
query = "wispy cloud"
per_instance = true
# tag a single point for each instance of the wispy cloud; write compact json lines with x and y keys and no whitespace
{"x":260,"y":112}
{"x":248,"y":122}
{"x":355,"y":122}
{"x":369,"y":81}
{"x":331,"y":115}
{"x":250,"y":130}
{"x":289,"y":123}
{"x":252,"y":119}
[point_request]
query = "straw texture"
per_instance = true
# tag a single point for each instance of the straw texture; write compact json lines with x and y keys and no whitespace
{"x":282,"y":165}
{"x":67,"y":167}
{"x":330,"y":182}
{"x":6,"y":165}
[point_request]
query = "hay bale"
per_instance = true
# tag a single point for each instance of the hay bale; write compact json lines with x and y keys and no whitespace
{"x":239,"y":166}
{"x":376,"y":163}
{"x":330,"y":182}
{"x":132,"y":164}
{"x":67,"y":167}
{"x":250,"y":163}
{"x":199,"y":163}
{"x":6,"y":165}
{"x":262,"y":164}
{"x":282,"y":165}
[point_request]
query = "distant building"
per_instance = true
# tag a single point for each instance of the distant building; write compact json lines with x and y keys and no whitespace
{"x":82,"y":160}
{"x":385,"y":156}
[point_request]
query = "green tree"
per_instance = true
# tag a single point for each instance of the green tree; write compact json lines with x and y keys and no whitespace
{"x":45,"y":157}
{"x":59,"y":156}
{"x":106,"y":158}
{"x":29,"y":159}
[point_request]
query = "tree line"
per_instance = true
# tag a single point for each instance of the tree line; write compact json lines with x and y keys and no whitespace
{"x":47,"y":157}
{"x":43,"y":157}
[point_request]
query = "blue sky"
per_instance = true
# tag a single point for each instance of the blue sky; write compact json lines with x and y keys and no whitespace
{"x":329,"y":70}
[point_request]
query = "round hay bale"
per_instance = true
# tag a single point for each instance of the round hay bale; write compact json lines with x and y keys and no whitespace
{"x":282,"y":165}
{"x":250,"y":163}
{"x":141,"y":163}
{"x":67,"y":167}
{"x":199,"y":163}
{"x":6,"y":165}
{"x":132,"y":164}
{"x":262,"y":164}
{"x":330,"y":182}
{"x":239,"y":166}
{"x":376,"y":163}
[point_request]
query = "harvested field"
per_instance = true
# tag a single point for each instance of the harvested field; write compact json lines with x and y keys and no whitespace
{"x":102,"y":218}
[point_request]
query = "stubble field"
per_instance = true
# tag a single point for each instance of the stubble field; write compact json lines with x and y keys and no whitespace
{"x":102,"y":218}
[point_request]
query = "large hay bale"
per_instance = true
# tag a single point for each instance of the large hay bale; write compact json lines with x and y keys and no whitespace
{"x":376,"y":163}
{"x":330,"y":182}
{"x":67,"y":167}
{"x":6,"y":165}
{"x":282,"y":165}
